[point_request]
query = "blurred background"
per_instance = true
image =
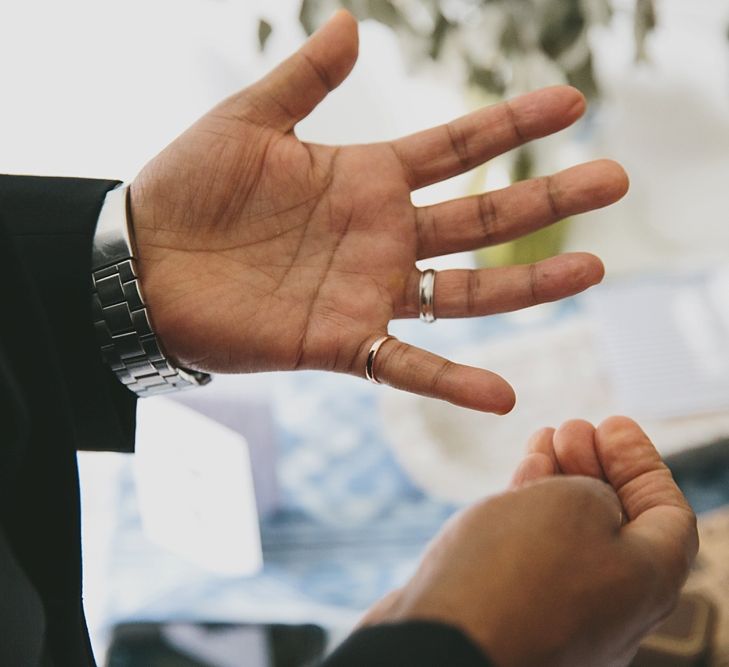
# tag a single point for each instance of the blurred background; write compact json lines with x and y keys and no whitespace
{"x":302,"y":498}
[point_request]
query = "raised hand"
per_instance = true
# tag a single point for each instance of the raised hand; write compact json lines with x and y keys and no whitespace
{"x":563,"y":569}
{"x":260,"y":252}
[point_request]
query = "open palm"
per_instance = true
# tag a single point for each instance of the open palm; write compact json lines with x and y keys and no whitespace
{"x":260,"y":252}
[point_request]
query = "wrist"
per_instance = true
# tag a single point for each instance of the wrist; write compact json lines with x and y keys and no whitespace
{"x":159,"y":267}
{"x":489,"y":620}
{"x":128,"y":341}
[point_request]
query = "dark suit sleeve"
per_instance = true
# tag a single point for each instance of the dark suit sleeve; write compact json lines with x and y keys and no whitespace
{"x":51,"y":222}
{"x":57,"y":396}
{"x":412,"y":644}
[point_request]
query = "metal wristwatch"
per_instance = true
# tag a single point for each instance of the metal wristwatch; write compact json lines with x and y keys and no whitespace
{"x":128,"y":342}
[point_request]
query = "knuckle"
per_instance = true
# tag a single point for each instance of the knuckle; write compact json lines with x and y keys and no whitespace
{"x":487,"y":215}
{"x":317,"y":70}
{"x":473,"y":287}
{"x":440,"y":375}
{"x":429,"y":229}
{"x":459,"y":144}
{"x":550,"y":196}
{"x":513,"y":120}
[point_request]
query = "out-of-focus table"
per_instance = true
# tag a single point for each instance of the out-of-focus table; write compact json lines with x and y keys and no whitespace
{"x":349,"y":526}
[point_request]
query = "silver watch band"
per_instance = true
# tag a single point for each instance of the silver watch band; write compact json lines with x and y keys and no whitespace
{"x":128,"y":342}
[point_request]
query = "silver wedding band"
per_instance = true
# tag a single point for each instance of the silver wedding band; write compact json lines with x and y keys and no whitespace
{"x":426,"y":292}
{"x":372,"y":355}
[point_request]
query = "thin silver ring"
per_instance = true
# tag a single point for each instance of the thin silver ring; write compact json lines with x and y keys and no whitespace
{"x":427,"y":295}
{"x":372,"y":355}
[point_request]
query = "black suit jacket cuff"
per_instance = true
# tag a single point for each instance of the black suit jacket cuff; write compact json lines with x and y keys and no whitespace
{"x":411,"y":644}
{"x":51,"y":222}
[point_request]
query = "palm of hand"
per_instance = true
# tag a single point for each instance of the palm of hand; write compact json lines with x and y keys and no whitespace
{"x":312,"y":252}
{"x":260,"y":252}
{"x":600,"y":500}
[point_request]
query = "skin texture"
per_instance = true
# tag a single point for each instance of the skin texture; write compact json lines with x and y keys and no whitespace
{"x":573,"y":565}
{"x":259,"y":252}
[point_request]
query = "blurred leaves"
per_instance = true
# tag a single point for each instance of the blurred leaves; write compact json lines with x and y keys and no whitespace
{"x":505,"y":46}
{"x":645,"y":21}
{"x":314,"y":12}
{"x":264,"y":32}
{"x":562,"y":24}
{"x":440,"y":31}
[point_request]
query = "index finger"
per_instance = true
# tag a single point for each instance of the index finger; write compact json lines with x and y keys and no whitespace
{"x":446,"y":150}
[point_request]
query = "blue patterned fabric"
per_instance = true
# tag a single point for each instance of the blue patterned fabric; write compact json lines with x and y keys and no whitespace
{"x":350,"y":525}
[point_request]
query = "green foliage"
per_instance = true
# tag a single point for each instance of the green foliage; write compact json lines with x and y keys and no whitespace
{"x":504,"y":45}
{"x":264,"y":32}
{"x":562,"y":25}
{"x":645,"y":21}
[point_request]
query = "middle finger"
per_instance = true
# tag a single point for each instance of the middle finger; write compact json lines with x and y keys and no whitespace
{"x":502,"y":215}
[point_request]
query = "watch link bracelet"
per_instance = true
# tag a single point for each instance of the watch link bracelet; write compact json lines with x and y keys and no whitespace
{"x":128,"y":342}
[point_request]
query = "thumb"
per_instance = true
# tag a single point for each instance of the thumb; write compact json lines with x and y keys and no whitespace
{"x":658,"y":514}
{"x":292,"y":90}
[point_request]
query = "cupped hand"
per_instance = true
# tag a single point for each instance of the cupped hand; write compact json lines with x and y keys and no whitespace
{"x":566,"y":569}
{"x":258,"y":251}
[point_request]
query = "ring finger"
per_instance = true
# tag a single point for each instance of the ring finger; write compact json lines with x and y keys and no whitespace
{"x":477,"y":292}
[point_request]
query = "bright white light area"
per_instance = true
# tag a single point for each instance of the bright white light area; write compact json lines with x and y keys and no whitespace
{"x":96,"y":88}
